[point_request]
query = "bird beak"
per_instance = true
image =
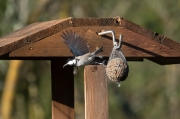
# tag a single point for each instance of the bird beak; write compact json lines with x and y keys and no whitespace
{"x":64,"y":65}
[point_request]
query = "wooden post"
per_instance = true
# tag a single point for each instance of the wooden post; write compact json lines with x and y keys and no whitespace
{"x":96,"y":92}
{"x":62,"y":90}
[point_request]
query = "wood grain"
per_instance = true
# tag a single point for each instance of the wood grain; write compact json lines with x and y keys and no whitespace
{"x":62,"y":90}
{"x":150,"y":34}
{"x":134,"y":46}
{"x":38,"y":31}
{"x":96,"y":92}
{"x":30,"y":34}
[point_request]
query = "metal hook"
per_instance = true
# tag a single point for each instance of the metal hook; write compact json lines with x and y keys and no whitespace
{"x":113,"y":37}
{"x":120,"y":40}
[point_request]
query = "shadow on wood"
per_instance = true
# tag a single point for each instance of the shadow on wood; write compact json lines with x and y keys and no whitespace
{"x":62,"y":90}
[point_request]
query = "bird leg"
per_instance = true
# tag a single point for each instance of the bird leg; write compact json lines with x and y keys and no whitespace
{"x":75,"y":70}
{"x":103,"y":63}
{"x":101,"y":57}
{"x":118,"y":84}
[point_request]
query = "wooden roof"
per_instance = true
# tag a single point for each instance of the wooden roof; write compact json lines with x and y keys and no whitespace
{"x":42,"y":40}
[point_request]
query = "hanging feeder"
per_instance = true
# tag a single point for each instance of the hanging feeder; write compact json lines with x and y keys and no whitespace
{"x":117,"y":68}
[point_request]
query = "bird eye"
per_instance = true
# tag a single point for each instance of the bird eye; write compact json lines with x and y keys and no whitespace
{"x":69,"y":59}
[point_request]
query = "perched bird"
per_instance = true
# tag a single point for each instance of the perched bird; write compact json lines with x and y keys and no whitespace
{"x":79,"y":49}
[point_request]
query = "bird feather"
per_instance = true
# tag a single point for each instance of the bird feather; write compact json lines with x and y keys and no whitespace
{"x":75,"y":42}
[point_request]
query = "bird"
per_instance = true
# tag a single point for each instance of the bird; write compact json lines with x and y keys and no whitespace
{"x":79,"y":48}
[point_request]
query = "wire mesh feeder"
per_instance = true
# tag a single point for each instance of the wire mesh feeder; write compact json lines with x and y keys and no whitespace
{"x":117,"y":68}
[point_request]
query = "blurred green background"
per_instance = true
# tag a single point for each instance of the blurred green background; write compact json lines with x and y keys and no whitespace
{"x":151,"y":90}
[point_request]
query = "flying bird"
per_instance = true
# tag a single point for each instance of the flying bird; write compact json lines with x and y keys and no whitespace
{"x":80,"y":49}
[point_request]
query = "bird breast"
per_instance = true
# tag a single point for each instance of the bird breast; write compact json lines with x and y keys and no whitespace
{"x":84,"y":60}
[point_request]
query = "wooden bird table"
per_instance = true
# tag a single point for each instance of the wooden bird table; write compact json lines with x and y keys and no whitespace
{"x":42,"y":41}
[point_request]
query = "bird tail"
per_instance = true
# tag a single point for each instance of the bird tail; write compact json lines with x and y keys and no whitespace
{"x":97,"y":51}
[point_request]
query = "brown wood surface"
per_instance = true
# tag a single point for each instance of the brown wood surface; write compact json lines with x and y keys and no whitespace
{"x":135,"y":46}
{"x":38,"y":31}
{"x":30,"y":34}
{"x":43,"y":40}
{"x":150,"y":34}
{"x":62,"y":90}
{"x":41,"y":30}
{"x":96,"y":92}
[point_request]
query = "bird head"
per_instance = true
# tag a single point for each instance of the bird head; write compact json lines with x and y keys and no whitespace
{"x":71,"y":62}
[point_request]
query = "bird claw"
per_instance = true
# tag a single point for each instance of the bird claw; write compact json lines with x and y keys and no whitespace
{"x":103,"y":63}
{"x":75,"y":70}
{"x":119,"y":85}
{"x":101,"y":57}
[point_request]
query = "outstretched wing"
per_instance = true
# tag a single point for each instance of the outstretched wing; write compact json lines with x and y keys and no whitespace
{"x":75,"y":42}
{"x":97,"y":51}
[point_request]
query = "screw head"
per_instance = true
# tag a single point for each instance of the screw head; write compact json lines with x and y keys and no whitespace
{"x":30,"y":48}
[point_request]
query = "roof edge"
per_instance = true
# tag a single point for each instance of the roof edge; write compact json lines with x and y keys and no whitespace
{"x":149,"y":34}
{"x":38,"y":31}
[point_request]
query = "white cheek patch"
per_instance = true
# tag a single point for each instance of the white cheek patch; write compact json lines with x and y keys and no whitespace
{"x":72,"y":62}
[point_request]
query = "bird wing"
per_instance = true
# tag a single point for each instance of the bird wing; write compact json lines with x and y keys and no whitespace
{"x":75,"y":42}
{"x":97,"y":51}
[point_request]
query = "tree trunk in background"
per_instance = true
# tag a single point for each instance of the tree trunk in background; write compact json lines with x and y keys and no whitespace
{"x":171,"y":91}
{"x":9,"y":88}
